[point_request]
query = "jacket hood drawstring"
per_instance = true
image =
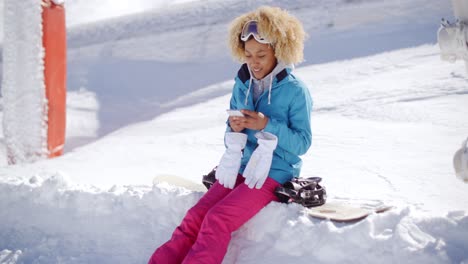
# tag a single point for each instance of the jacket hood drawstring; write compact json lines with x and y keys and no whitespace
{"x":248,"y":90}
{"x":269,"y":89}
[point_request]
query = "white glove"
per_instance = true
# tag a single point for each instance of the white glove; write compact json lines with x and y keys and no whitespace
{"x":257,"y":169}
{"x":58,"y":2}
{"x":460,"y":162}
{"x":228,"y":167}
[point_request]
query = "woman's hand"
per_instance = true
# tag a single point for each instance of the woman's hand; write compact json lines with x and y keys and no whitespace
{"x":236,"y":123}
{"x":251,"y":119}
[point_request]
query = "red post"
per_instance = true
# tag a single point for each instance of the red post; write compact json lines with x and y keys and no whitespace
{"x":55,"y":67}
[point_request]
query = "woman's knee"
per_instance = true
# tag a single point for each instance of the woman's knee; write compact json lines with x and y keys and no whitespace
{"x":217,"y":219}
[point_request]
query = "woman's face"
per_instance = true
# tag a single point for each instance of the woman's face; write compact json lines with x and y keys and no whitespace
{"x":260,"y":58}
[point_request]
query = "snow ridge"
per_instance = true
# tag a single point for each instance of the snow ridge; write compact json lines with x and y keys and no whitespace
{"x":125,"y":224}
{"x":76,"y":226}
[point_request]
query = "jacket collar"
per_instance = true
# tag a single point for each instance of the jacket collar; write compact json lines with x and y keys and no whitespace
{"x":244,"y":74}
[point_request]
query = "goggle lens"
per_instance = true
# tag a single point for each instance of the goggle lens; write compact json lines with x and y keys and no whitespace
{"x":251,"y":29}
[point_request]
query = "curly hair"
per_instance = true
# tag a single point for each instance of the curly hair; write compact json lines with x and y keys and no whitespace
{"x":278,"y":26}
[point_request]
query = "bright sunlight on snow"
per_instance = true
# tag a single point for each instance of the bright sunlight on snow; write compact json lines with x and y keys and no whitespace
{"x":148,"y":85}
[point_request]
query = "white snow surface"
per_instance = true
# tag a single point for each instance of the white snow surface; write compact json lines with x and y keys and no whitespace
{"x":386,"y":123}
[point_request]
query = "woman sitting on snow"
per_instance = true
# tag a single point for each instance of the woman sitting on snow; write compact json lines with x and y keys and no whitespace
{"x":262,"y":147}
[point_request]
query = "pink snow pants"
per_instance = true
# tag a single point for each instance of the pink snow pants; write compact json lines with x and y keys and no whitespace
{"x":205,"y":232}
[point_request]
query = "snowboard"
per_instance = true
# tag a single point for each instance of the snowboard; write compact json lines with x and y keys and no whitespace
{"x":339,"y":211}
{"x":336,"y":210}
{"x":179,"y":182}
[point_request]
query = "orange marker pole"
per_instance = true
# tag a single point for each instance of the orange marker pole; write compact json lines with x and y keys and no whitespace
{"x":55,"y":68}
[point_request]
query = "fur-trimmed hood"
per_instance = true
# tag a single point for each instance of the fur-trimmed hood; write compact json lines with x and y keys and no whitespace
{"x":277,"y":25}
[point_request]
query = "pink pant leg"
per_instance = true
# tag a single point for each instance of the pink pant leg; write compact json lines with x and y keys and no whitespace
{"x":226,"y":217}
{"x":184,"y":236}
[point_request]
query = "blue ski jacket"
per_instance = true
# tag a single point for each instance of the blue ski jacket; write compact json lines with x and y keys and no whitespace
{"x":288,"y":105}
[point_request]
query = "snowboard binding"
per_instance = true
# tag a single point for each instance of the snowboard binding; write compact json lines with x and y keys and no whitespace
{"x":209,"y":179}
{"x":305,"y":191}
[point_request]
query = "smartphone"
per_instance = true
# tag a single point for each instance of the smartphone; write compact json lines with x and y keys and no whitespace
{"x":232,"y":112}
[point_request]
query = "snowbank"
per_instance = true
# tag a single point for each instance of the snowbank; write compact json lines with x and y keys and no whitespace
{"x":59,"y":223}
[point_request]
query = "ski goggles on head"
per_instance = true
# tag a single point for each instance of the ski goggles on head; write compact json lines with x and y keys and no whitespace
{"x":251,"y":29}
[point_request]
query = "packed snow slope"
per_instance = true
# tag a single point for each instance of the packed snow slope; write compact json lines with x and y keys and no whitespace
{"x":385,"y":128}
{"x":135,"y":56}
